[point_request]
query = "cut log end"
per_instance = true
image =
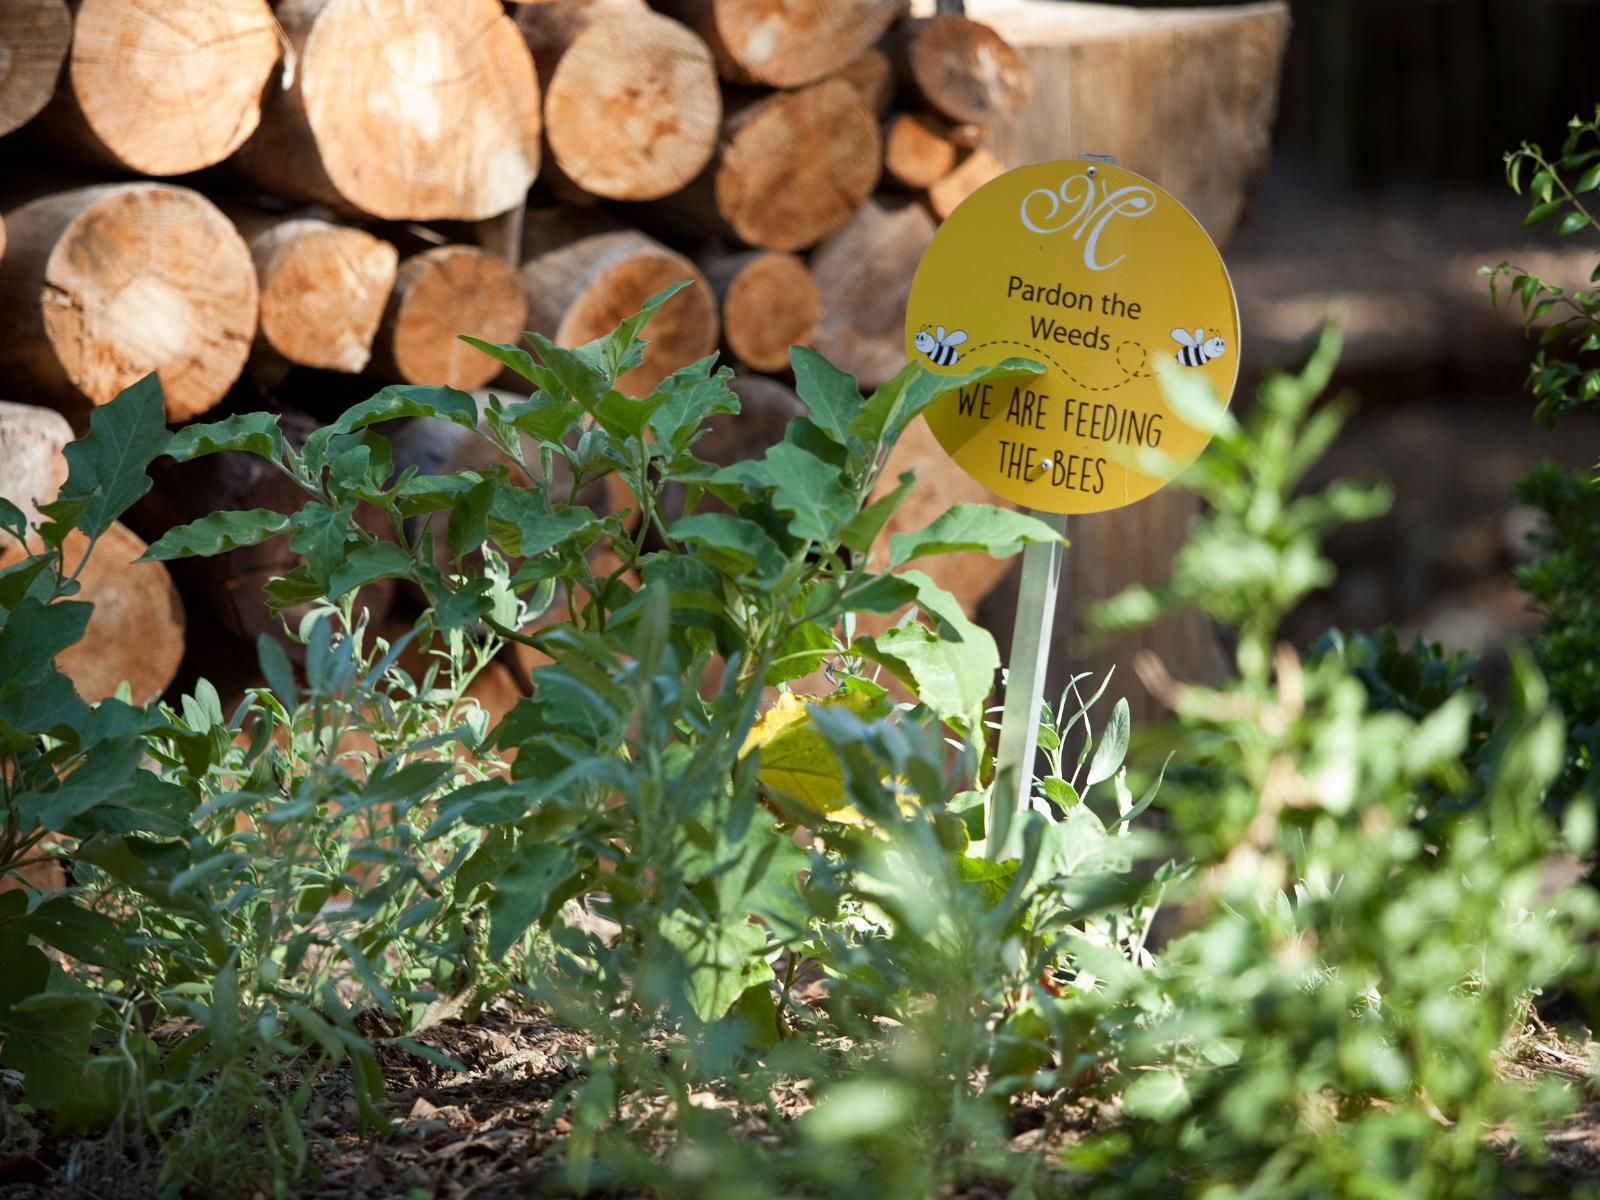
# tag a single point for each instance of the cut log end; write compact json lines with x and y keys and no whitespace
{"x":410,"y":110}
{"x":135,"y":634}
{"x":778,"y":43}
{"x":965,"y":69}
{"x":323,"y":291}
{"x":769,"y":303}
{"x":872,"y":77}
{"x":798,"y":166}
{"x":971,"y":173}
{"x":33,"y":465}
{"x":918,"y":149}
{"x":166,"y":87}
{"x":438,"y":295}
{"x":105,"y":284}
{"x":633,"y":109}
{"x":34,"y":36}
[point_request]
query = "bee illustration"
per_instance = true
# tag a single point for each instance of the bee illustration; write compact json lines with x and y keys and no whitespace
{"x":939,"y":346}
{"x":1196,"y":348}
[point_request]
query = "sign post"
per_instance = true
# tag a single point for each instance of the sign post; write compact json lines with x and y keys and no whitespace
{"x":1097,"y":274}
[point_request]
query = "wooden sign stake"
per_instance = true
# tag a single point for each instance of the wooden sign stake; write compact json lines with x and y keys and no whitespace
{"x":1030,"y":658}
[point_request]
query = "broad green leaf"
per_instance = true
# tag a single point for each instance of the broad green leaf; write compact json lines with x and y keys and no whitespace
{"x":810,"y":491}
{"x":832,"y":396}
{"x":802,"y":652}
{"x":721,"y":959}
{"x":690,"y":395}
{"x":106,"y":468}
{"x":217,"y":534}
{"x":86,"y":935}
{"x":423,"y":494}
{"x":523,"y":891}
{"x":865,"y":526}
{"x":732,"y":545}
{"x":320,"y":535}
{"x":901,"y":400}
{"x":366,"y":564}
{"x":519,"y":361}
{"x":47,"y":1039}
{"x":1571,"y":223}
{"x":253,"y":433}
{"x":1113,"y":745}
{"x":545,"y":417}
{"x":468,"y":526}
{"x":952,"y":675}
{"x":411,"y":400}
{"x":624,"y":416}
{"x":575,"y":375}
{"x":523,"y":523}
{"x":34,"y":696}
{"x":12,"y":520}
{"x":1588,"y":181}
{"x":860,"y":1109}
{"x":619,"y":349}
{"x":1156,"y":1096}
{"x":998,"y":532}
{"x":32,"y":575}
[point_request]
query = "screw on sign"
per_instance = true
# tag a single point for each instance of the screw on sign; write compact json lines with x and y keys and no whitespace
{"x":1101,"y":277}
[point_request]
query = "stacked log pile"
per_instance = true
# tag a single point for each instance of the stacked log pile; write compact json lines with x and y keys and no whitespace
{"x":364,"y":179}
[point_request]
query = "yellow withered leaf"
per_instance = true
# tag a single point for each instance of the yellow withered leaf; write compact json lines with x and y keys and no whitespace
{"x":796,"y":764}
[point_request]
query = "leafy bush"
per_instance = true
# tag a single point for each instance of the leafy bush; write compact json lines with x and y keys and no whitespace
{"x":669,"y":836}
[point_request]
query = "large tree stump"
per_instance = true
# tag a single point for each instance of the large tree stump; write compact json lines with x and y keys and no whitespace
{"x":105,"y":284}
{"x":959,"y":67}
{"x":631,"y":103}
{"x":323,"y":288}
{"x":34,"y":36}
{"x":402,"y":109}
{"x":438,"y":295}
{"x":977,"y":168}
{"x":583,"y":273}
{"x":872,"y":77}
{"x":785,"y":43}
{"x":792,"y":168}
{"x":864,"y":275}
{"x":769,"y":303}
{"x":163,"y":87}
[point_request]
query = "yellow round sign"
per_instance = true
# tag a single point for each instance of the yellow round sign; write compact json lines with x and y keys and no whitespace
{"x":1096,"y":273}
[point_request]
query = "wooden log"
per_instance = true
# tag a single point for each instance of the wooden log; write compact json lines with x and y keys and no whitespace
{"x":1124,"y":81}
{"x":32,"y":463}
{"x":401,"y":109}
{"x":229,"y":586}
{"x":34,"y":36}
{"x":582,"y":273}
{"x":918,"y":149}
{"x":971,"y":173}
{"x":323,"y":288}
{"x":439,"y":294}
{"x":105,"y":284}
{"x":631,"y":103}
{"x":959,"y":67}
{"x":791,"y":168}
{"x":769,"y":303}
{"x":864,"y":275}
{"x":163,"y":87}
{"x":784,"y":43}
{"x":872,"y":77}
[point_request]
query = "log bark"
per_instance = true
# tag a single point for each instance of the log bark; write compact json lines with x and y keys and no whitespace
{"x":34,"y":36}
{"x":105,"y":284}
{"x":583,"y":273}
{"x":631,"y":103}
{"x":864,"y":275}
{"x":791,"y":168}
{"x":959,"y":67}
{"x":323,"y":288}
{"x":229,"y":586}
{"x":872,"y":77}
{"x":401,"y":109}
{"x":971,"y":173}
{"x":769,"y":303}
{"x":438,"y":294}
{"x":918,"y":149}
{"x":163,"y":87}
{"x":785,"y":43}
{"x":32,"y":463}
